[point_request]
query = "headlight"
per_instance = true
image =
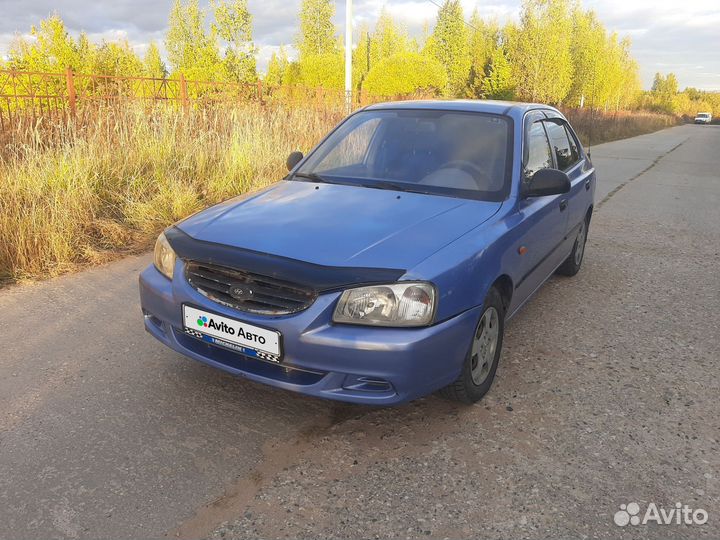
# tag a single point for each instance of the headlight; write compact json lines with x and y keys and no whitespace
{"x":399,"y":304}
{"x":164,"y":257}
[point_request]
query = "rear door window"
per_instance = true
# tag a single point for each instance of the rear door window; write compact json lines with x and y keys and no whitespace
{"x":564,"y":155}
{"x":538,"y":151}
{"x":574,"y":149}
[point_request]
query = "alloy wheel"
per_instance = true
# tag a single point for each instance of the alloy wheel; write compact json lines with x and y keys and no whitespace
{"x":484,"y":345}
{"x":580,"y":243}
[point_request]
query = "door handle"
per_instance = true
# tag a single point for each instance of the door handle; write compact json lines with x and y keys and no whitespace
{"x":563,"y":204}
{"x":587,"y":184}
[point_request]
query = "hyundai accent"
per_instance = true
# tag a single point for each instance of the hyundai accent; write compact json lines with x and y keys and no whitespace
{"x":385,"y":265}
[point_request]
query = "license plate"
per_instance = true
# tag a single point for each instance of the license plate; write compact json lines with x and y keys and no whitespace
{"x":241,"y":337}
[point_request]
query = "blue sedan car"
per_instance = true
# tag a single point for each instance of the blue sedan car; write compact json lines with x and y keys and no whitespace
{"x":385,"y":265}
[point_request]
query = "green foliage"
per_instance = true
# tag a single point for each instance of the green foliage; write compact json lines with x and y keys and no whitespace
{"x":233,"y":25}
{"x":325,"y":70}
{"x":406,"y":73}
{"x":498,"y":81}
{"x":558,"y":53}
{"x":154,"y":65}
{"x":605,"y":75}
{"x":665,"y":86}
{"x":361,"y":58}
{"x":277,"y":68}
{"x":692,"y":101}
{"x":192,"y":50}
{"x":388,"y":39}
{"x":588,"y":44}
{"x":624,"y":75}
{"x":320,"y":61}
{"x":539,"y":51}
{"x":53,"y":49}
{"x":292,"y":74}
{"x":663,"y":96}
{"x":317,"y":31}
{"x":86,"y":52}
{"x":449,"y":45}
{"x":117,"y":59}
{"x":484,"y":40}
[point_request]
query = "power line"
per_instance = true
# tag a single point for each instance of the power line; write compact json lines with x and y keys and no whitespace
{"x":466,"y":23}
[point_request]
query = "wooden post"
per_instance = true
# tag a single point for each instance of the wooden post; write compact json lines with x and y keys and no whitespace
{"x":184,"y":94}
{"x":70,"y":82}
{"x":259,"y":91}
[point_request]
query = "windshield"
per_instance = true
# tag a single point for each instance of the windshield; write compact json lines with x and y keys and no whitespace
{"x":703,"y":115}
{"x":451,"y":153}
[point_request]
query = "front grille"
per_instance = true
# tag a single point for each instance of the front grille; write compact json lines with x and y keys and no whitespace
{"x":262,"y":294}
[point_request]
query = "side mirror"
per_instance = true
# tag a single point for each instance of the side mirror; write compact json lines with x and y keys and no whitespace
{"x":547,"y":182}
{"x":293,"y":159}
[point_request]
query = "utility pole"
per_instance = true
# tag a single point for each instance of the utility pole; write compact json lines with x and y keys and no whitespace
{"x":348,"y":56}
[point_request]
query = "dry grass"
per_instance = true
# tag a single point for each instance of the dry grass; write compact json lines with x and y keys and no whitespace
{"x":81,"y":194}
{"x":598,"y":127}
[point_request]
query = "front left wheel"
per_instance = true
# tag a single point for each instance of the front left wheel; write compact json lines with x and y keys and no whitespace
{"x":478,"y":371}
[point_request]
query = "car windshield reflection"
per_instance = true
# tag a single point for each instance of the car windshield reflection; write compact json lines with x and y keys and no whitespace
{"x":461,"y":154}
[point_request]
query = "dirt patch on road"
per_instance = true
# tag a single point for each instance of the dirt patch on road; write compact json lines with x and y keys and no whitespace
{"x":278,"y":456}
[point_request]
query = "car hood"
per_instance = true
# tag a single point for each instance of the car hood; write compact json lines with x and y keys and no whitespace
{"x":339,"y":225}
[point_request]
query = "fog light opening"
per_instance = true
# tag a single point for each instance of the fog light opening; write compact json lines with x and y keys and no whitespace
{"x":367,"y":384}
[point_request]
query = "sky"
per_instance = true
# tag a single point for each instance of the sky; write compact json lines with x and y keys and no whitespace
{"x":682,"y":37}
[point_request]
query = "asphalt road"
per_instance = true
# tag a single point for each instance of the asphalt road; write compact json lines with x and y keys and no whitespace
{"x":607,"y":393}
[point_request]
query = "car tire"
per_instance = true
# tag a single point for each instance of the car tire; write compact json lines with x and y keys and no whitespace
{"x":572,"y":264}
{"x":481,"y":361}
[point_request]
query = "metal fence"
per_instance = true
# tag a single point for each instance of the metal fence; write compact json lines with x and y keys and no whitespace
{"x":33,"y":95}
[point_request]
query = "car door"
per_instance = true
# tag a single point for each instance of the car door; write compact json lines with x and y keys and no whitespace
{"x":568,"y":157}
{"x":542,"y":223}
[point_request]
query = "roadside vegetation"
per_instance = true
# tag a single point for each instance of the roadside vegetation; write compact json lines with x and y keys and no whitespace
{"x":83,"y":191}
{"x":83,"y":194}
{"x":594,"y":127}
{"x":558,"y":53}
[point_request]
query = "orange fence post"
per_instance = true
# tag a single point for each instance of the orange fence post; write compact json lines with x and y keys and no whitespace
{"x":259,"y":91}
{"x":184,"y":93}
{"x":70,"y":82}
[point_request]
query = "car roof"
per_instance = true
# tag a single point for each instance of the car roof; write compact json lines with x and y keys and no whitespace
{"x":507,"y":108}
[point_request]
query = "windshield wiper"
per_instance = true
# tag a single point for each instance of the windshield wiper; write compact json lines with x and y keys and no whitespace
{"x":384,"y":185}
{"x":393,"y":186}
{"x":375,"y":184}
{"x":313,"y":177}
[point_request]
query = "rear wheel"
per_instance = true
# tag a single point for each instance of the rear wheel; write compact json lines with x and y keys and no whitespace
{"x":572,"y":264}
{"x":478,"y":371}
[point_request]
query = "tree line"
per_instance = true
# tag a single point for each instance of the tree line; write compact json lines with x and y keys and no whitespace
{"x":665,"y":96}
{"x":558,"y":53}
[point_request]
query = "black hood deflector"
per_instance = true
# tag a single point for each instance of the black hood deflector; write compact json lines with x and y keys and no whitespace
{"x":320,"y":278}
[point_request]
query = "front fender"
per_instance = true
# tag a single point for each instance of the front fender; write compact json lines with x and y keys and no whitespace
{"x":464,"y":270}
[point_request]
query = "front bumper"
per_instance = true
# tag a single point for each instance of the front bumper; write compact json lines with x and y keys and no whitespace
{"x":381,"y":366}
